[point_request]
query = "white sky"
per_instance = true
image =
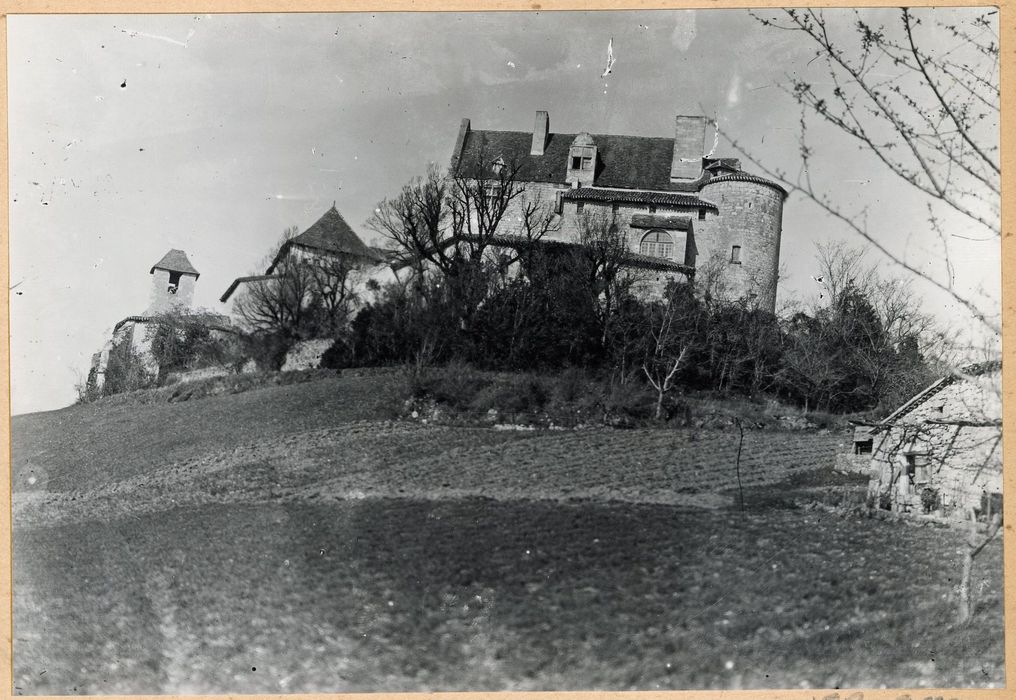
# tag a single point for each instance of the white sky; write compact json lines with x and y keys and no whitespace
{"x":233,"y":127}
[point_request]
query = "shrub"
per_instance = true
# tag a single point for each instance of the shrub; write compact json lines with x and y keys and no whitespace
{"x":571,"y":385}
{"x":126,"y":370}
{"x":520,"y":394}
{"x":456,"y":385}
{"x":268,"y":350}
{"x":629,"y":401}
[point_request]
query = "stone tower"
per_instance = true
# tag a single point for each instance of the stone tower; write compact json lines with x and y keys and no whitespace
{"x":173,"y":279}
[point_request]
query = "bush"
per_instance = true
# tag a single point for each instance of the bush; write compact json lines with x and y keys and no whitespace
{"x":629,"y":401}
{"x":126,"y":370}
{"x":455,"y":386}
{"x":521,"y":394}
{"x":268,"y":350}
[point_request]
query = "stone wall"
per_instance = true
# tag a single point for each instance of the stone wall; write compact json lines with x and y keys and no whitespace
{"x":162,"y":300}
{"x":936,"y":447}
{"x":750,"y":216}
{"x":306,"y":355}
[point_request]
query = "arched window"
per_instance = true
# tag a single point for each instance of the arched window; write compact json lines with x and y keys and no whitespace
{"x":657,"y":244}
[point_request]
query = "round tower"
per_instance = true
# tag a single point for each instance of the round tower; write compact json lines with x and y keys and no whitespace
{"x":173,"y":279}
{"x":746,"y":238}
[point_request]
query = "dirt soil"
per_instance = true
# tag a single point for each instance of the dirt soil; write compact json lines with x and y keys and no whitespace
{"x":295,"y":539}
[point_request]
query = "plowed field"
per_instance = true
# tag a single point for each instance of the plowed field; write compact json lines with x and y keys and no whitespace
{"x":292,"y":539}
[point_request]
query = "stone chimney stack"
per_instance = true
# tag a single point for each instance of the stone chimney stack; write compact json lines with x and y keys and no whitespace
{"x":689,"y":147}
{"x":540,"y":132}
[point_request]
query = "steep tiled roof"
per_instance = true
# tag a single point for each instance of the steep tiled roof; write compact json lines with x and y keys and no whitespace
{"x":745,"y":177}
{"x":596,"y":194}
{"x":330,"y":234}
{"x":175,"y":261}
{"x":635,"y":162}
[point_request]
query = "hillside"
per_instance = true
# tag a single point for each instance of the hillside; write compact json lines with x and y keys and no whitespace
{"x":298,"y":538}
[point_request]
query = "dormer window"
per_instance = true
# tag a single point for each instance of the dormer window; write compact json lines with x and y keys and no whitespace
{"x":582,"y":160}
{"x":498,"y":165}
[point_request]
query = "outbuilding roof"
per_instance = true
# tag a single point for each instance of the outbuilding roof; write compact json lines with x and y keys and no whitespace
{"x":329,"y":234}
{"x":242,"y":280}
{"x":973,"y":370}
{"x":175,"y":261}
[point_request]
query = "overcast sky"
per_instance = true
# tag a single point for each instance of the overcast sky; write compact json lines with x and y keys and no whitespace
{"x":130,"y":135}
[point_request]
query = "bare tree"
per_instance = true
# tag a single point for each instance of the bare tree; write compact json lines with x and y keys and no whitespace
{"x":674,"y":329}
{"x":279,"y":303}
{"x":611,"y":274}
{"x":306,"y":295}
{"x":416,"y":221}
{"x":921,"y":95}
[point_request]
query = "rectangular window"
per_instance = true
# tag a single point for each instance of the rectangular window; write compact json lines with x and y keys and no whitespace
{"x":587,"y":163}
{"x":613,"y":208}
{"x":702,"y":214}
{"x":652,"y":208}
{"x":579,"y":207}
{"x":735,"y":255}
{"x":576,"y":162}
{"x":558,"y":202}
{"x":666,"y":250}
{"x":863,"y":447}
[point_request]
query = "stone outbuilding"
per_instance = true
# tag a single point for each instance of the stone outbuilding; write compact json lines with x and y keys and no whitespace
{"x":941,"y":451}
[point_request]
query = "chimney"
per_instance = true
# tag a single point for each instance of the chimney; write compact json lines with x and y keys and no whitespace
{"x":540,"y":133}
{"x":689,"y":147}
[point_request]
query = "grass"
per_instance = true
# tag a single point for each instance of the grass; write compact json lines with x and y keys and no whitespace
{"x":294,"y":539}
{"x":401,"y":594}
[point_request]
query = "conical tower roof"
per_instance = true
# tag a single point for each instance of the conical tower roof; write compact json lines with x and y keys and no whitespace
{"x":175,"y":261}
{"x":331,"y":233}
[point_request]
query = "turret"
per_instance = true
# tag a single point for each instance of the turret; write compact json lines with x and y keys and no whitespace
{"x":173,"y":279}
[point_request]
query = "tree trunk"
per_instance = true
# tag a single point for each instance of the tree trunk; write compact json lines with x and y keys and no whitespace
{"x":659,"y":404}
{"x":966,"y":606}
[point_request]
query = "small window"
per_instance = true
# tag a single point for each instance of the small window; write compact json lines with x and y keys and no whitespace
{"x":735,"y":255}
{"x":587,"y":163}
{"x":702,"y":214}
{"x":174,"y":278}
{"x":576,"y":162}
{"x":613,"y":207}
{"x":863,"y":447}
{"x":580,"y":206}
{"x":172,"y":289}
{"x":652,"y":208}
{"x":558,"y":202}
